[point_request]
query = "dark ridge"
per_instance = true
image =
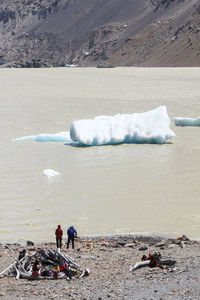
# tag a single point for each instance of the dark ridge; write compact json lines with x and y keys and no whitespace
{"x":35,"y":33}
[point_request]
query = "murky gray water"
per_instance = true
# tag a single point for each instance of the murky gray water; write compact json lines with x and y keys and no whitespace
{"x":151,"y":189}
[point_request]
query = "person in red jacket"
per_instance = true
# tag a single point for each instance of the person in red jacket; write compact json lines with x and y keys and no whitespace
{"x":59,"y":234}
{"x":154,"y":260}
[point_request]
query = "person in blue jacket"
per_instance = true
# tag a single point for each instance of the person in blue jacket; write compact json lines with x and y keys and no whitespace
{"x":72,"y":233}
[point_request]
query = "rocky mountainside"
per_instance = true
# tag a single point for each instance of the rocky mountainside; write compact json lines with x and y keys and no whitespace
{"x":157,"y":33}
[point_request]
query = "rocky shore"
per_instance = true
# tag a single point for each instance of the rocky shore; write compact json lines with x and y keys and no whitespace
{"x":109,"y":260}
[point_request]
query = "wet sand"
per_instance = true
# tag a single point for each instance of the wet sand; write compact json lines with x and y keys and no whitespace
{"x":109,"y":260}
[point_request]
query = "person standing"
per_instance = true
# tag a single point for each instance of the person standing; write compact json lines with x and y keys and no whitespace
{"x":59,"y":234}
{"x":72,"y":233}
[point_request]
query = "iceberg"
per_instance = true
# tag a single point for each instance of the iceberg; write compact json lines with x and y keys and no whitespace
{"x":187,"y":121}
{"x":49,"y":173}
{"x":45,"y":137}
{"x":148,"y":127}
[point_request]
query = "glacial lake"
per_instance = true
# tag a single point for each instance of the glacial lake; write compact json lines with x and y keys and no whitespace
{"x":129,"y":188}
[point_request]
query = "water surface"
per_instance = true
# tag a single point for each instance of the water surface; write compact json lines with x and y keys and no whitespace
{"x":149,"y":189}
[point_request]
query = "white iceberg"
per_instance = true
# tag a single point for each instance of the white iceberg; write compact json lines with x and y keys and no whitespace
{"x":148,"y":127}
{"x":63,"y":136}
{"x":187,"y":121}
{"x":49,"y":173}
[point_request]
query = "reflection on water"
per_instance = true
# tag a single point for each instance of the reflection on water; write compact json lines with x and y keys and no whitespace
{"x":99,"y":190}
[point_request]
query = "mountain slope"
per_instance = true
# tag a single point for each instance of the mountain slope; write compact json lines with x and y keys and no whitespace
{"x":91,"y":32}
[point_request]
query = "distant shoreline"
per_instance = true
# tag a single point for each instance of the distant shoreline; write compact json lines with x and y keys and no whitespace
{"x":108,"y":237}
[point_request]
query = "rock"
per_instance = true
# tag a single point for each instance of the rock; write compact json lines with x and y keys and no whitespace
{"x":172,"y":246}
{"x":104,"y":66}
{"x":32,"y":249}
{"x":88,"y":257}
{"x":16,"y":244}
{"x":177,"y":242}
{"x":142,"y":248}
{"x":85,"y":273}
{"x":182,"y":245}
{"x":104,"y":244}
{"x":121,"y":243}
{"x":30,"y":243}
{"x":161,"y":244}
{"x":130,"y":245}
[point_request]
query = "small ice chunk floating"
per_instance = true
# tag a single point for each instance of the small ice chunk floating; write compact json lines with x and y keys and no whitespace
{"x":149,"y":127}
{"x":187,"y":121}
{"x":50,"y":173}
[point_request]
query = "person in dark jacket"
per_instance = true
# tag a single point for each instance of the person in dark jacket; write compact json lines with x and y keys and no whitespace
{"x":36,"y":269}
{"x":59,"y":234}
{"x":154,"y":260}
{"x":72,"y":233}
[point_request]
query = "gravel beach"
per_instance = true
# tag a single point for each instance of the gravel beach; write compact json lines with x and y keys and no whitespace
{"x":109,"y":260}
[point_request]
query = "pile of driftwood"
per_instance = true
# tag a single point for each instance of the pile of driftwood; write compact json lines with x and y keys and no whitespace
{"x":50,"y":261}
{"x":160,"y":262}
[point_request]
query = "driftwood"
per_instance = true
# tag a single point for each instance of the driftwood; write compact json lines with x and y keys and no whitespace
{"x":13,"y":265}
{"x":139,"y":265}
{"x":49,"y":260}
{"x":30,"y":277}
{"x":85,"y":273}
{"x":162,"y":261}
{"x":167,"y":261}
{"x":71,"y":261}
{"x":7,"y":269}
